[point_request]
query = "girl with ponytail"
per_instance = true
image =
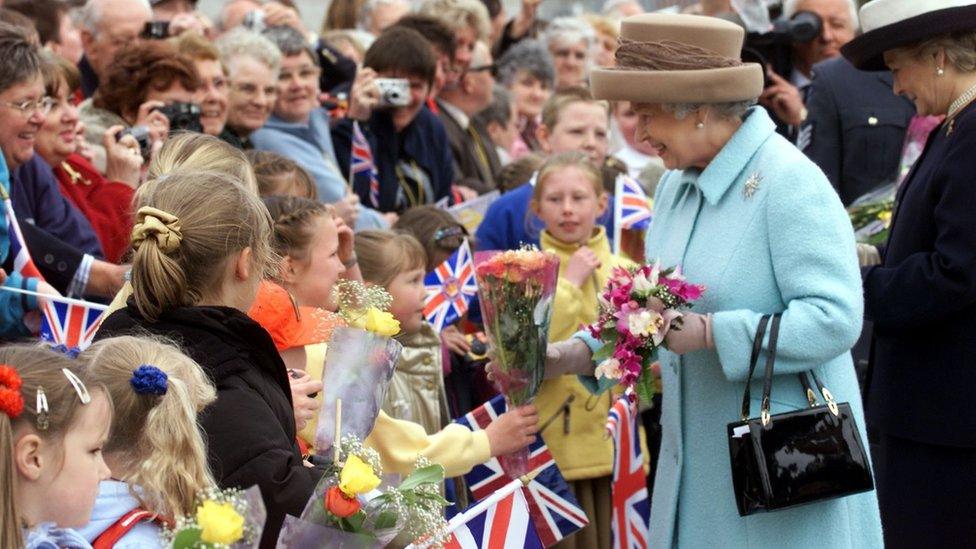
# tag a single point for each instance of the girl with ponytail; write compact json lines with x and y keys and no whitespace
{"x":53,"y":423}
{"x":155,"y":450}
{"x":201,"y":246}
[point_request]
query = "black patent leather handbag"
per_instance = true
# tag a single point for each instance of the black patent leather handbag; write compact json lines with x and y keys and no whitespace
{"x":794,"y":458}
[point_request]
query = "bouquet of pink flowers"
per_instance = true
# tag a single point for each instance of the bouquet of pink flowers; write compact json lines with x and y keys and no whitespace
{"x":516,"y":289}
{"x":637,"y":309}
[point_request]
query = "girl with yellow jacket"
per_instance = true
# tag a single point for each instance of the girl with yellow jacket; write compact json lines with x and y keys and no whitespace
{"x":569,"y":198}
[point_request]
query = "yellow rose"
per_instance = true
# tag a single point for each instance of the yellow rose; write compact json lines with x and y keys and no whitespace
{"x":357,"y":477}
{"x":219,"y":523}
{"x":378,"y":322}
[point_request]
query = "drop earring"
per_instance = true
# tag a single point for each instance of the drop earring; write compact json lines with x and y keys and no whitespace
{"x":700,"y":125}
{"x":940,"y":71}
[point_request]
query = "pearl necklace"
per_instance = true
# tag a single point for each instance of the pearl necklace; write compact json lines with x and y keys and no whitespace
{"x":963,"y":100}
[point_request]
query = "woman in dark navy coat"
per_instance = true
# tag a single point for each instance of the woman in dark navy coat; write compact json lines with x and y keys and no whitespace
{"x":922,"y":294}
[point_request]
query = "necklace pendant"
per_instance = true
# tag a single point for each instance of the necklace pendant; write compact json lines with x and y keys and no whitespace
{"x":752,"y":185}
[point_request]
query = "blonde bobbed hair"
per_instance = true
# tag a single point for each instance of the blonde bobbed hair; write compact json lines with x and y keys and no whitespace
{"x":156,"y":438}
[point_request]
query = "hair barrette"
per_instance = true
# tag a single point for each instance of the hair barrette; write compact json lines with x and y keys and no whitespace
{"x":149,"y":380}
{"x":43,"y":411}
{"x":79,"y":386}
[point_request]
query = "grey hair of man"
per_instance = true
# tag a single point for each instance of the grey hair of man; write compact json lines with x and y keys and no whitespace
{"x":790,"y":7}
{"x":569,"y":30}
{"x":241,"y":42}
{"x":20,"y":61}
{"x":530,"y":56}
{"x":90,"y":15}
{"x":734,"y":109}
{"x":367,"y":10}
{"x":290,"y":42}
{"x":499,"y":110}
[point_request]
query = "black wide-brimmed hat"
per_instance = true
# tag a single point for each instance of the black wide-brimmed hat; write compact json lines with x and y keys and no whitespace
{"x":889,"y":24}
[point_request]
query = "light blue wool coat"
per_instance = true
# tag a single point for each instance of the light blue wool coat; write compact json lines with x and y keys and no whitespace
{"x":785,"y":245}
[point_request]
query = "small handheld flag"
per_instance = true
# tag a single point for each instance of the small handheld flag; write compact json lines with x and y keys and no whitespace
{"x":450,"y":288}
{"x":361,"y":164}
{"x":631,"y":509}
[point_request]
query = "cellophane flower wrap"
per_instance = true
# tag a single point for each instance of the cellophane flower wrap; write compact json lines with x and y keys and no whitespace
{"x":353,"y":508}
{"x":638,"y":306}
{"x":516,"y":290}
{"x":228,"y":518}
{"x":359,"y":363}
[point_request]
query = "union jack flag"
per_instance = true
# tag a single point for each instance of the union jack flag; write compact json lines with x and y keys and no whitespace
{"x":632,"y":208}
{"x":450,"y":288}
{"x":552,"y":506}
{"x":361,"y":162}
{"x":71,"y":323}
{"x":23,"y":263}
{"x":504,"y":524}
{"x":631,"y":509}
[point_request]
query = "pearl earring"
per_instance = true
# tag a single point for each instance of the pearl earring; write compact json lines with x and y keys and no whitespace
{"x":939,"y":72}
{"x":700,"y":125}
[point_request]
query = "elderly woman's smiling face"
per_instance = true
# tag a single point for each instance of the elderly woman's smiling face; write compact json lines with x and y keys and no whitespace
{"x":915,"y":78}
{"x":678,"y":141}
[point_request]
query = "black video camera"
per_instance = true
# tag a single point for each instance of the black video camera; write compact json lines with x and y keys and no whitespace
{"x":183,"y":117}
{"x":774,"y":49}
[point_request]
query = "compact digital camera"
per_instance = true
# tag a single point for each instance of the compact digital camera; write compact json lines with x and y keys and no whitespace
{"x":394,"y":92}
{"x":183,"y":116}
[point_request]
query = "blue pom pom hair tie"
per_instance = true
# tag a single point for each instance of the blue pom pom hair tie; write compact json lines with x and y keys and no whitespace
{"x":149,"y":380}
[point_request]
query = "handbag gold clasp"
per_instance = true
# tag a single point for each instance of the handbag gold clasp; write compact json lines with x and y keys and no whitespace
{"x":811,"y":398}
{"x":831,"y":404}
{"x":764,"y":412}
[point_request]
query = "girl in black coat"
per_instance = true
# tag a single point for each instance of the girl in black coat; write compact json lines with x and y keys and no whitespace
{"x":201,"y":246}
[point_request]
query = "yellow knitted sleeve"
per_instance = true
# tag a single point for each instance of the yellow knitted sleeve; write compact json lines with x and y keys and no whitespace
{"x":454,"y":447}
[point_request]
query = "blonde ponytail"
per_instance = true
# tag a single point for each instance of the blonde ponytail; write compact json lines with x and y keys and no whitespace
{"x":187,"y":226}
{"x":37,"y":367}
{"x":156,"y":435}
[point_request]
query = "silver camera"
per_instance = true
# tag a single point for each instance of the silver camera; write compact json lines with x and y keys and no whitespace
{"x":394,"y":92}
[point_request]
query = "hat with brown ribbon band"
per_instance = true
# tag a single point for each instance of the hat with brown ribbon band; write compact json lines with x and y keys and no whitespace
{"x":667,"y":58}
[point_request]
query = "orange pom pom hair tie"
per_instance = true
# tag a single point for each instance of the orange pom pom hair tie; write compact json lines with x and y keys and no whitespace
{"x":11,"y":402}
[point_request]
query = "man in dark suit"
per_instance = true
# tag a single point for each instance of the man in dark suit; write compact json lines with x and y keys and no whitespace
{"x":855,"y":130}
{"x":475,"y":159}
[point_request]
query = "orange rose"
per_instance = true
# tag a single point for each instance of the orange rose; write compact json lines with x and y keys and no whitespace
{"x":339,"y":505}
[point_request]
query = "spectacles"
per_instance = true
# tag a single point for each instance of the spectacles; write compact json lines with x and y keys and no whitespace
{"x":29,"y":107}
{"x":303,"y":73}
{"x":489,"y":68}
{"x":251,"y":90}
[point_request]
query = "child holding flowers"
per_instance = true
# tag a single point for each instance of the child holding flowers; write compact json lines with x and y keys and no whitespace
{"x":398,"y":263}
{"x":157,"y":455}
{"x":52,"y":428}
{"x":201,"y":248}
{"x":569,"y":198}
{"x":302,"y":326}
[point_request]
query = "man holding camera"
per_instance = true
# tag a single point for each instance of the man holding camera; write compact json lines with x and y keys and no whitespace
{"x":409,"y":144}
{"x":785,"y":96}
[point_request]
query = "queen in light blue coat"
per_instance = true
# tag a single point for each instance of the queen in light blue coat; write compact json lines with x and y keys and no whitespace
{"x":746,"y":214}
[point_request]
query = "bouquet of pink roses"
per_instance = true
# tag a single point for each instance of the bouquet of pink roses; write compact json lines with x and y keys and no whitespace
{"x":637,"y":308}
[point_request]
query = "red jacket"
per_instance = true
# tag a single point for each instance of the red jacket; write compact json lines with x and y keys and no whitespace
{"x":106,"y":204}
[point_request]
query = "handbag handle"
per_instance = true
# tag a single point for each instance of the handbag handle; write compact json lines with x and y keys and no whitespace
{"x":812,"y":396}
{"x":756,"y":349}
{"x":770,"y":362}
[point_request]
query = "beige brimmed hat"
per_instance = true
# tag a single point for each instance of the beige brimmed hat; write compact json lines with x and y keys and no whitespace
{"x":696,"y":59}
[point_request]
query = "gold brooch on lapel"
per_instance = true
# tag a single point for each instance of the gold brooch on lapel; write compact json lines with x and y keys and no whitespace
{"x":752,"y":185}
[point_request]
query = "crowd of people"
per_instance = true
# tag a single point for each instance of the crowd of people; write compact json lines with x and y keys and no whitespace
{"x":213,"y":180}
